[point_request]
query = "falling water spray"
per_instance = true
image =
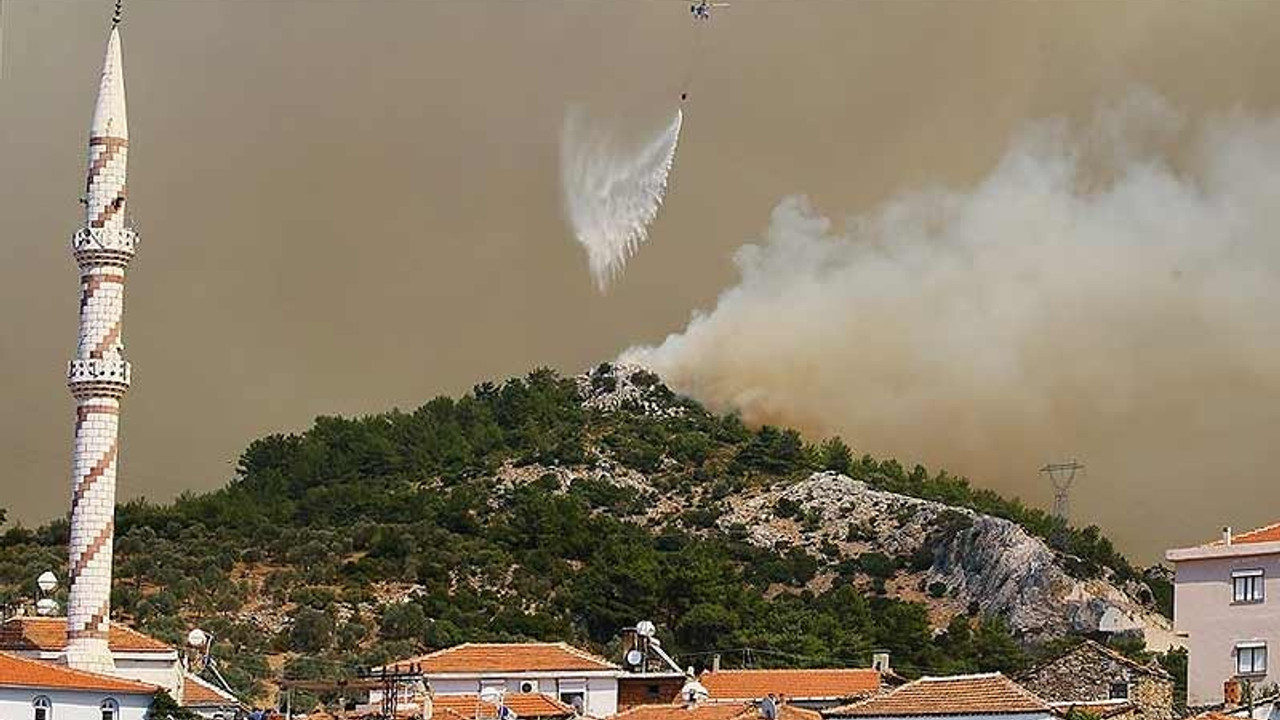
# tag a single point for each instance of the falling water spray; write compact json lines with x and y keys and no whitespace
{"x":613,"y":193}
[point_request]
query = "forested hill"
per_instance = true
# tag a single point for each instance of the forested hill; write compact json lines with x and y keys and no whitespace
{"x":568,"y":508}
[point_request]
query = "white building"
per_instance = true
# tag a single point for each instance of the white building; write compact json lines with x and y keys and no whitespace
{"x":1227,"y":606}
{"x":135,"y":656}
{"x":575,"y":677}
{"x":34,"y":690}
{"x":986,"y":696}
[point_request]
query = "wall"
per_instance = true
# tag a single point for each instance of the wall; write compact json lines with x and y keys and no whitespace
{"x":633,"y":691}
{"x":15,"y":704}
{"x":1213,"y":624}
{"x":1085,"y":675}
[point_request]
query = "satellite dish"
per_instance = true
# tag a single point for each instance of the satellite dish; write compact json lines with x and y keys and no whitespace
{"x":47,"y":581}
{"x":644,"y":628}
{"x":47,"y":606}
{"x":635,"y":658}
{"x":197,"y":638}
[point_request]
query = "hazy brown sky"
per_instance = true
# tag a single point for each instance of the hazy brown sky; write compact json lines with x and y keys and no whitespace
{"x":350,"y":205}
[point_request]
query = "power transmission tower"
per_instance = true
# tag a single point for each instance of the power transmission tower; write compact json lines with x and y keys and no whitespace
{"x":1061,"y":475}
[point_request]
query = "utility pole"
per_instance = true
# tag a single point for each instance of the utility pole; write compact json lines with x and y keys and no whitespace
{"x":1062,"y":475}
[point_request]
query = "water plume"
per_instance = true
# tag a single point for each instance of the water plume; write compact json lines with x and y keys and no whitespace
{"x":613,"y":193}
{"x":1107,"y":292}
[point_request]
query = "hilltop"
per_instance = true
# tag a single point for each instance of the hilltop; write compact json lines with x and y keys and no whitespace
{"x":568,"y":508}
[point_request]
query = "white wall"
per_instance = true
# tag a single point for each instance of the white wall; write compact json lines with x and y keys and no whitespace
{"x":167,"y":673}
{"x":16,"y":704}
{"x":601,"y":693}
{"x":1203,"y":609}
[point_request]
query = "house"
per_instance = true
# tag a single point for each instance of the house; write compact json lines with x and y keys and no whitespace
{"x":36,"y":690}
{"x":1101,"y":681}
{"x":583,"y":681}
{"x":988,"y":696}
{"x":712,"y":711}
{"x":813,"y":689}
{"x":1227,"y":606}
{"x":137,"y":657}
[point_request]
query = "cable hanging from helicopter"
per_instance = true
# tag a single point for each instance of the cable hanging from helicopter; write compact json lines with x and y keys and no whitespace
{"x":701,"y":12}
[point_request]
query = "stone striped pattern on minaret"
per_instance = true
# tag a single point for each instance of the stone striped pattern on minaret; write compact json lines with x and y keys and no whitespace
{"x":99,"y":374}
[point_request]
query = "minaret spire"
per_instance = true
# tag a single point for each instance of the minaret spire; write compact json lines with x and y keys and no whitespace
{"x":99,"y":375}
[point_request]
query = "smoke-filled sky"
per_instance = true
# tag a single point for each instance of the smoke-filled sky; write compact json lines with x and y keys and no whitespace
{"x":348,"y":206}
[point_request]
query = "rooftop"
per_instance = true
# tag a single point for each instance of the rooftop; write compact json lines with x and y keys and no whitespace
{"x":49,"y":634}
{"x":794,"y":684}
{"x":473,"y":658}
{"x":712,"y":711}
{"x":1268,"y":533}
{"x":1087,"y":645}
{"x":984,"y":694}
{"x":198,"y":692}
{"x":528,"y":705}
{"x":18,"y":671}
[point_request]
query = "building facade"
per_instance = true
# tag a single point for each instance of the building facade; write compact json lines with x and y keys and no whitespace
{"x":587,"y":683}
{"x":34,"y":690}
{"x":1227,"y":606}
{"x":1093,"y":676}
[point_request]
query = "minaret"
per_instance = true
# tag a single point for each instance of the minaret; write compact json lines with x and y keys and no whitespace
{"x":99,"y":374}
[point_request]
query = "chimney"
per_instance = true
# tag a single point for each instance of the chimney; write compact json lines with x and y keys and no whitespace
{"x":715,"y":663}
{"x":1226,"y":535}
{"x":880,"y":663}
{"x":1231,"y":692}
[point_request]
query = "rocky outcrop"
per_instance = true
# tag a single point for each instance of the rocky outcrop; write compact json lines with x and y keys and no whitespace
{"x":971,"y":559}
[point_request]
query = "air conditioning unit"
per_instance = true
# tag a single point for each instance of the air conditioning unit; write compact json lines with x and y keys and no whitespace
{"x":528,"y":686}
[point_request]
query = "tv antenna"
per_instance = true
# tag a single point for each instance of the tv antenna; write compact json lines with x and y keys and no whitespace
{"x":1062,"y":475}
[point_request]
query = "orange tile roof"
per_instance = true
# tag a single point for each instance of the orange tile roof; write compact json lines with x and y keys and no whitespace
{"x":535,"y":705}
{"x":1269,"y":533}
{"x":986,"y":694}
{"x":22,"y":672}
{"x":509,"y":657}
{"x":50,"y":635}
{"x":794,"y":684}
{"x":198,"y":692}
{"x":712,"y":711}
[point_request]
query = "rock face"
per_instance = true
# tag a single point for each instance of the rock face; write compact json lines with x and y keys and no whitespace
{"x":969,"y":559}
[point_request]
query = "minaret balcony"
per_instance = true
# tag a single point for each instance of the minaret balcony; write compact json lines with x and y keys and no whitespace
{"x":104,"y":245}
{"x":98,"y":376}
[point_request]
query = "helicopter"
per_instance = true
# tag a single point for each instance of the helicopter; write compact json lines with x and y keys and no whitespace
{"x":702,"y":10}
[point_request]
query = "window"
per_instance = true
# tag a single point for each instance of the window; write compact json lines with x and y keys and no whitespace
{"x":42,"y":708}
{"x":110,"y":709}
{"x":1251,"y":658}
{"x":1119,"y":691}
{"x":1246,"y":586}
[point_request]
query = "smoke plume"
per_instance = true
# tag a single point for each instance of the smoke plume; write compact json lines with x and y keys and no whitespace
{"x":1096,"y":294}
{"x":611,"y":193}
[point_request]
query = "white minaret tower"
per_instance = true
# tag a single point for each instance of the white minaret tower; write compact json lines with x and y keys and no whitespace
{"x":99,"y":374}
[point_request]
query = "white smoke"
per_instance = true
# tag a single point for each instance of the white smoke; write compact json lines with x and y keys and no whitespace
{"x":1096,"y":294}
{"x":612,"y":193}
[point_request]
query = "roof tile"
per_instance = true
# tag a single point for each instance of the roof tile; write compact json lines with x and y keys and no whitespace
{"x":198,"y":692}
{"x":828,"y":684}
{"x":985,"y":694}
{"x":18,"y":671}
{"x":509,"y":657}
{"x":712,"y":711}
{"x":50,"y":635}
{"x":528,"y":705}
